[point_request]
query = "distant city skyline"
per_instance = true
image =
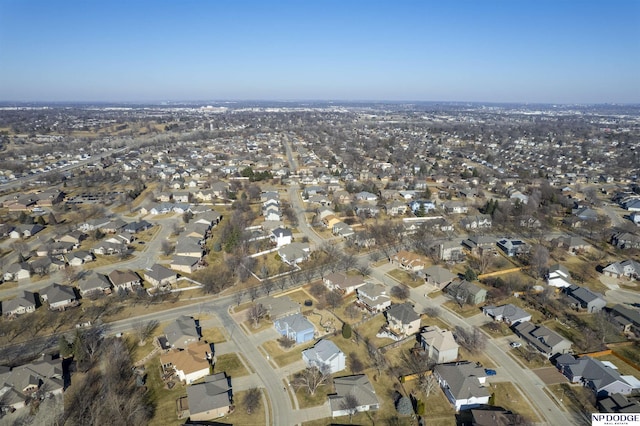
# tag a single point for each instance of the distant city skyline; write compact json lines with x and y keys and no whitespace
{"x":561,"y":52}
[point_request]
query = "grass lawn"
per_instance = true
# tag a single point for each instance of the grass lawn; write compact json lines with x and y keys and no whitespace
{"x":369,"y":330}
{"x":632,"y":352}
{"x":507,"y":396}
{"x":435,"y":294}
{"x":497,"y":329}
{"x":165,"y":399}
{"x":299,"y":296}
{"x":305,"y":400}
{"x":537,"y":360}
{"x":576,"y":398}
{"x":282,"y":356}
{"x":466,"y":311}
{"x":230,"y":364}
{"x":406,"y":278}
{"x":348,"y":346}
{"x":324,"y":321}
{"x":262,"y":325}
{"x":213,"y":335}
{"x":240,"y":416}
{"x":623,"y":368}
{"x":479,"y":356}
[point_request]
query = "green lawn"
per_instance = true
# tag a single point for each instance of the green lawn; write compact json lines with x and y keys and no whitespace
{"x":230,"y":364}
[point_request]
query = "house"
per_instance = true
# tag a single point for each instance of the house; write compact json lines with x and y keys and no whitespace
{"x":627,"y":268}
{"x":124,"y":280}
{"x":603,"y":379}
{"x":23,"y":303}
{"x":546,"y":341}
{"x":360,"y":387}
{"x":294,"y":253}
{"x":59,"y":296}
{"x":559,"y":276}
{"x":94,"y":283}
{"x":583,"y":298}
{"x":625,"y":240}
{"x":571,"y":244}
{"x":422,"y":206}
{"x":626,"y":317}
{"x":440,"y":345}
{"x":462,"y":384}
{"x":109,"y":248}
{"x":403,"y":319}
{"x":408,"y":261}
{"x":135,"y":227}
{"x":295,"y":327}
{"x":25,"y":231}
{"x":465,"y":292}
{"x":366,"y":196}
{"x":19,"y":384}
{"x":479,"y":221}
{"x":396,"y":208}
{"x":181,"y":332}
{"x":438,"y":276}
{"x":585,"y":213}
{"x":188,"y":247}
{"x":345,"y":284}
{"x":342,"y":229}
{"x":159,"y":275}
{"x":513,"y":247}
{"x":17,"y":272}
{"x":618,"y":403}
{"x":455,"y":207}
{"x":373,"y":297}
{"x":211,"y":399}
{"x":278,"y":307}
{"x":450,"y":251}
{"x":281,"y":236}
{"x":185,"y":264}
{"x":508,"y":313}
{"x":326,"y":356}
{"x":190,"y":364}
{"x":478,"y":245}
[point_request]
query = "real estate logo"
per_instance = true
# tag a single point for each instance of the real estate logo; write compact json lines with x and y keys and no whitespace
{"x":630,"y":419}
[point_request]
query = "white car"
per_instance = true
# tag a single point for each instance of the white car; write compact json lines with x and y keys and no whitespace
{"x":515,"y":344}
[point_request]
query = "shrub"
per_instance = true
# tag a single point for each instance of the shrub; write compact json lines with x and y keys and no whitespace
{"x":346,"y":331}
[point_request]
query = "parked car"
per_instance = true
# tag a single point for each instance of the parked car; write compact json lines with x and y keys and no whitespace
{"x":515,"y":344}
{"x":489,"y":372}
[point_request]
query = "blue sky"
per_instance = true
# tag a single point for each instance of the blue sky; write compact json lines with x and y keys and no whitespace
{"x":486,"y":51}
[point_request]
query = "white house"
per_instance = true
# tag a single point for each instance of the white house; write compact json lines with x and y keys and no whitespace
{"x":281,"y":236}
{"x":326,"y":356}
{"x":439,"y":344}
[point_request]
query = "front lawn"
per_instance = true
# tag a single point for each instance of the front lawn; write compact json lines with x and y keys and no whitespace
{"x":406,"y":278}
{"x":230,"y":364}
{"x":509,"y":397}
{"x":282,"y":356}
{"x":240,"y":415}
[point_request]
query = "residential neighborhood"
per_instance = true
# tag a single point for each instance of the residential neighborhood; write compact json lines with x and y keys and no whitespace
{"x":318,"y":265}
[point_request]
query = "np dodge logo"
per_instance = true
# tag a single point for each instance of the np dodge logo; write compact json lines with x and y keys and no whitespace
{"x":631,"y":419}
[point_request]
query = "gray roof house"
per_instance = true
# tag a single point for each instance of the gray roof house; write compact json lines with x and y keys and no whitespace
{"x":403,"y":319}
{"x":583,"y":298}
{"x":438,"y":276}
{"x":94,"y":283}
{"x":326,"y":356}
{"x":601,"y":378}
{"x":465,"y":291}
{"x":360,"y":387}
{"x":59,"y":296}
{"x":24,"y":303}
{"x":462,"y":383}
{"x":211,"y":399}
{"x":546,"y":341}
{"x":295,"y":327}
{"x":627,"y":268}
{"x":439,"y":344}
{"x":509,"y":313}
{"x":159,"y":275}
{"x":181,"y":332}
{"x":294,"y":253}
{"x":373,"y":297}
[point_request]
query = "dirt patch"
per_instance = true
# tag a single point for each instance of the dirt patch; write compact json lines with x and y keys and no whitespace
{"x":550,"y":375}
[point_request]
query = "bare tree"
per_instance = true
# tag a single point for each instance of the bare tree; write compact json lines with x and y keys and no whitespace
{"x":253,"y":292}
{"x":256,"y":313}
{"x":334,"y":299}
{"x":267,"y":286}
{"x":539,"y":260}
{"x":471,"y":339}
{"x":427,"y":384}
{"x":251,"y":399}
{"x":166,"y":247}
{"x":144,"y":329}
{"x":311,"y":378}
{"x":400,"y":292}
{"x":237,"y":297}
{"x":350,"y":404}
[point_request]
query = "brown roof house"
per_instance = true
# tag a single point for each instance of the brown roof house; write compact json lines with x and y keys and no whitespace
{"x":190,"y":364}
{"x":344,"y":283}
